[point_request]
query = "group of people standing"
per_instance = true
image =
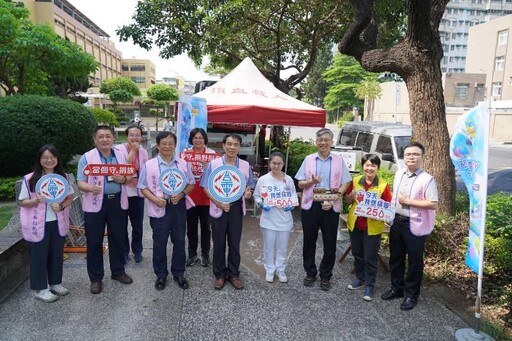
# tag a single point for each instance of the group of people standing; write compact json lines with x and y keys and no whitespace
{"x":108,"y":201}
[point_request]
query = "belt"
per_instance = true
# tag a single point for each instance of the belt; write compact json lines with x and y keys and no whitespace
{"x":401,"y":217}
{"x":111,"y":195}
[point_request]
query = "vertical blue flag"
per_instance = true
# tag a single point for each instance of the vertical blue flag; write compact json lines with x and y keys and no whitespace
{"x":192,"y":113}
{"x":469,"y":151}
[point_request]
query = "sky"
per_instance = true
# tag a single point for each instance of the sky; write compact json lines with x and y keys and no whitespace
{"x":112,"y":14}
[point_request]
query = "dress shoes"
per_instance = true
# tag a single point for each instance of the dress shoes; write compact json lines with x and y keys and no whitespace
{"x":96,"y":287}
{"x":309,"y":280}
{"x":408,"y":303}
{"x":219,"y":283}
{"x":325,"y":284}
{"x":236,"y":283}
{"x":160,"y":283}
{"x":124,"y":278}
{"x":182,"y":281}
{"x":392,"y":294}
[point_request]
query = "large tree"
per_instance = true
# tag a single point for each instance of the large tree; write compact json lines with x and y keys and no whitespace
{"x":120,"y":90}
{"x":160,"y":95}
{"x":315,"y":87}
{"x":35,"y":60}
{"x":416,"y":58}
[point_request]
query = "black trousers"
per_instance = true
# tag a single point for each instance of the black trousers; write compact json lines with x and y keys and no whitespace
{"x":402,"y":244}
{"x":46,"y":258}
{"x":136,"y":215}
{"x":115,"y":218}
{"x":199,"y":214}
{"x":313,"y":220}
{"x":365,"y":250}
{"x":227,"y":226}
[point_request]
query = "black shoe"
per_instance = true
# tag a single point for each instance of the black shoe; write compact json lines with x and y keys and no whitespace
{"x":392,"y":294}
{"x":192,"y":260}
{"x":181,"y":280}
{"x":325,"y":284}
{"x":309,"y":280}
{"x":160,"y":283}
{"x":205,"y":261}
{"x":408,"y":303}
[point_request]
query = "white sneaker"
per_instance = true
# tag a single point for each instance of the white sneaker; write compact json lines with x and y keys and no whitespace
{"x":282,"y":277}
{"x":46,"y":295}
{"x":269,"y":277}
{"x":59,"y":290}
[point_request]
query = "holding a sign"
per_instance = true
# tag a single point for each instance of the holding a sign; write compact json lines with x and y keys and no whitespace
{"x":369,"y":198}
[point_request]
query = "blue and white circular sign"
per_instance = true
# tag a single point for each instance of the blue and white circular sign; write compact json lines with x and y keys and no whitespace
{"x":172,"y":181}
{"x":53,"y":187}
{"x":226,"y":184}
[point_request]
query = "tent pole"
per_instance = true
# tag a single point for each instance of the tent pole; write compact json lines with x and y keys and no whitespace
{"x":287,"y":149}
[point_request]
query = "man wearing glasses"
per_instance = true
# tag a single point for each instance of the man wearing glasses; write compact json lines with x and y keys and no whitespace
{"x":415,"y":197}
{"x":322,"y":170}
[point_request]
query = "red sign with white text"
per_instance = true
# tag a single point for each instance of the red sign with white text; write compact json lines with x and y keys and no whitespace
{"x":101,"y":169}
{"x":198,"y":161}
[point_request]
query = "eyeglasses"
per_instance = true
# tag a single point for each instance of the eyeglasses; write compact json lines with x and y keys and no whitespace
{"x":323,"y":140}
{"x":412,"y":155}
{"x":48,"y":158}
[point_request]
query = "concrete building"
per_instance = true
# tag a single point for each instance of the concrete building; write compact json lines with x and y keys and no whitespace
{"x":141,"y":71}
{"x":490,"y":53}
{"x":459,"y":17}
{"x":71,"y":24}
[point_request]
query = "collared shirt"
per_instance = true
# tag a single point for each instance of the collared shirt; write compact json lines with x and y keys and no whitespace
{"x":323,"y":169}
{"x":405,"y":186}
{"x":110,"y":187}
{"x":163,"y":166}
{"x":208,"y":171}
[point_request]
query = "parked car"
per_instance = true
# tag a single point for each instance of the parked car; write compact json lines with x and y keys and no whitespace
{"x":385,"y":139}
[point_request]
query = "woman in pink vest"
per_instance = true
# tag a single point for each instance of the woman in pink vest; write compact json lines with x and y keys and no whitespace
{"x":137,"y":156}
{"x":200,"y":212}
{"x":44,"y":227}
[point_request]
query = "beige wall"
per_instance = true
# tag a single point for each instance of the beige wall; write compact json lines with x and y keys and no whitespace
{"x":141,"y":71}
{"x":483,"y":49}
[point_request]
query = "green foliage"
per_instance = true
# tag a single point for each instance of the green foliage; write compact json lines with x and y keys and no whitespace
{"x":345,"y":76}
{"x":347,"y":116}
{"x":36,"y":60}
{"x":162,"y":93}
{"x":7,"y":191}
{"x":119,"y":115}
{"x":104,"y":116}
{"x":299,"y":149}
{"x":497,"y":254}
{"x":30,"y":121}
{"x":6,"y":212}
{"x":120,"y":89}
{"x":315,"y":87}
{"x":499,"y":215}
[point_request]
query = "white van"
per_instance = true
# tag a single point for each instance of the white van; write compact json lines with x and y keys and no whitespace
{"x":385,"y":139}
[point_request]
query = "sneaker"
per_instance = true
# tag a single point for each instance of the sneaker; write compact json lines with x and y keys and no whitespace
{"x":46,"y":295}
{"x":368,"y":293}
{"x":356,"y":284}
{"x":192,"y":260}
{"x":282,"y":277}
{"x":59,"y":290}
{"x":325,"y":284}
{"x":269,"y":277}
{"x":309,"y":280}
{"x":205,"y":261}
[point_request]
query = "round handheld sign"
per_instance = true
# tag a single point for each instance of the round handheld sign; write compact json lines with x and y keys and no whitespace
{"x":226,"y":184}
{"x":172,"y":181}
{"x":53,"y":187}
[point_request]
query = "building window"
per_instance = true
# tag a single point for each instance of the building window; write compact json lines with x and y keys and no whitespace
{"x":461,"y":91}
{"x":499,"y":63}
{"x":502,"y":37}
{"x":138,"y":67}
{"x":496,"y":89}
{"x":124,"y":67}
{"x":139,"y":80}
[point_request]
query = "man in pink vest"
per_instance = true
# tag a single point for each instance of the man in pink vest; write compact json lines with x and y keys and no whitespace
{"x":104,"y":202}
{"x":227,"y":218}
{"x":415,"y":197}
{"x":329,"y":171}
{"x":137,"y":156}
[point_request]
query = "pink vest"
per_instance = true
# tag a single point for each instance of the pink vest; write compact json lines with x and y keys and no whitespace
{"x":92,"y":202}
{"x":421,"y":220}
{"x":33,"y":218}
{"x":142,"y":158}
{"x":152,"y":177}
{"x":215,"y":210}
{"x":335,"y":176}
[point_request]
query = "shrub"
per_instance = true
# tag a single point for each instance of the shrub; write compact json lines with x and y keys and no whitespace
{"x":299,"y":149}
{"x":7,"y":188}
{"x":499,"y":215}
{"x":119,"y":115}
{"x":104,"y":116}
{"x":28,"y":122}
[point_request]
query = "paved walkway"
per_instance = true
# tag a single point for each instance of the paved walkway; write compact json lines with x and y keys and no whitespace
{"x":262,"y":311}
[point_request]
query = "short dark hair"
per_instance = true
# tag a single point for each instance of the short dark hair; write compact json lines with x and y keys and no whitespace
{"x":233,"y":136}
{"x":131,"y":127}
{"x":275,"y":154}
{"x":103,"y":127}
{"x":416,"y":144}
{"x":374,"y":159}
{"x":163,"y":134}
{"x":194,"y":132}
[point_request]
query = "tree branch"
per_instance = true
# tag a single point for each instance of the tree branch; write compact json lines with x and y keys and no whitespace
{"x":351,"y":43}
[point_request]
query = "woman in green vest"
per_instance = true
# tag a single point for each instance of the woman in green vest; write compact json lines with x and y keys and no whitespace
{"x":365,"y":232}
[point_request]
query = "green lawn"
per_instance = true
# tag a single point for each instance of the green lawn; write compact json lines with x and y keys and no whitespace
{"x":6,"y":211}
